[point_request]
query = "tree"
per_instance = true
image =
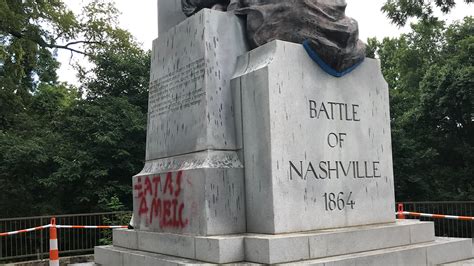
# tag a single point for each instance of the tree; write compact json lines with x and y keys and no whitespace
{"x":29,"y":150}
{"x":110,"y":150}
{"x":399,"y":11}
{"x":119,"y":74}
{"x":65,"y":149}
{"x":430,"y":72}
{"x":31,"y":31}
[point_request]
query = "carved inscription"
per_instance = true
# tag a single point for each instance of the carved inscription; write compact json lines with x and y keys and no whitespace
{"x":177,"y":90}
{"x":327,"y":170}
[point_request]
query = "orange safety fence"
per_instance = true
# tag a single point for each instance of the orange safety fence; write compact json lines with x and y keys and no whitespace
{"x":401,"y":215}
{"x":53,"y":239}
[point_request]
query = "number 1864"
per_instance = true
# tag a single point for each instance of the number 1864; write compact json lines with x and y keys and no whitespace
{"x":339,"y":201}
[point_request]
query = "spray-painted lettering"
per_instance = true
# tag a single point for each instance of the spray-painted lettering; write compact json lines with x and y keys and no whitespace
{"x":159,"y":199}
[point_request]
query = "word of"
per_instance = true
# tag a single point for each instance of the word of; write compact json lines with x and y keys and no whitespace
{"x":334,"y":111}
{"x":335,"y":169}
{"x":335,"y":140}
{"x":160,"y":198}
{"x":334,"y":202}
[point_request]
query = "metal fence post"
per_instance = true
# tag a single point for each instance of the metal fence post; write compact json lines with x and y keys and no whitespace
{"x":1,"y":247}
{"x":41,"y":241}
{"x":1,"y":240}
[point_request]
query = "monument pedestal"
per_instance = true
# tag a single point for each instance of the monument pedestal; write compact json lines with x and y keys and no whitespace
{"x":193,"y":180}
{"x":317,"y":149}
{"x":405,"y":242}
{"x":266,"y":160}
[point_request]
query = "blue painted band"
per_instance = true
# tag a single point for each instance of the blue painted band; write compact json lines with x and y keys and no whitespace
{"x":327,"y":68}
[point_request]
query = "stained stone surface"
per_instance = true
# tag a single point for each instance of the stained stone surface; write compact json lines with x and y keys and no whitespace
{"x":291,"y":249}
{"x":194,"y":194}
{"x":170,"y":14}
{"x":317,"y":150}
{"x":406,"y":255}
{"x":190,"y":106}
{"x":270,"y":249}
{"x":438,"y":252}
{"x":192,"y":182}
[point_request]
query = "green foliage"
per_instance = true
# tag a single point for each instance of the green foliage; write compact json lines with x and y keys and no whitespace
{"x":65,"y":149}
{"x":371,"y":47}
{"x":120,"y":218}
{"x":103,"y":150}
{"x":28,"y":150}
{"x":430,"y":72}
{"x":399,"y":11}
{"x":71,"y":154}
{"x":121,"y":74}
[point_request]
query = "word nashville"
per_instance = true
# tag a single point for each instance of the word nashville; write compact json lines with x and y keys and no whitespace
{"x":335,"y":169}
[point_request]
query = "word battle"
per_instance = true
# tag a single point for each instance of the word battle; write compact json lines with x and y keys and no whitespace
{"x":335,"y":169}
{"x":159,"y":198}
{"x":334,"y":111}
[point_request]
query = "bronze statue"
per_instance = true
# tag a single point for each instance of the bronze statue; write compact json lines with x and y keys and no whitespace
{"x":330,"y":37}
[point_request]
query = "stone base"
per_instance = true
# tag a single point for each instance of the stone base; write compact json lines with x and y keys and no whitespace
{"x":469,"y":262}
{"x":440,"y":251}
{"x":405,"y":242}
{"x":200,"y":193}
{"x":214,"y":249}
{"x":287,"y":119}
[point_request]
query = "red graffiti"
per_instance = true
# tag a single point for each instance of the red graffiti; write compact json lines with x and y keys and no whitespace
{"x":159,"y":198}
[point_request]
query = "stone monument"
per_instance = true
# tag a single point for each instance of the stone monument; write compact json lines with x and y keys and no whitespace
{"x":262,"y":157}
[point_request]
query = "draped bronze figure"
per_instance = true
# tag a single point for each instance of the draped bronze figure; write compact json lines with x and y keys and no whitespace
{"x":328,"y":34}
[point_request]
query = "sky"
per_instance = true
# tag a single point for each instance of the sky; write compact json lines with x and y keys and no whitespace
{"x":140,"y":18}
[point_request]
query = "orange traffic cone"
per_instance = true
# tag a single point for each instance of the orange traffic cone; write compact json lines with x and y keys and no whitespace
{"x":400,"y":213}
{"x":53,"y":244}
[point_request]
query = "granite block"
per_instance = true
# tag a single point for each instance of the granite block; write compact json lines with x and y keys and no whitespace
{"x":108,"y":256}
{"x":170,"y":14}
{"x":415,"y":254}
{"x":190,"y":105}
{"x":449,"y":250}
{"x":168,"y":244}
{"x":292,"y":247}
{"x":422,"y":232}
{"x":197,"y":194}
{"x":213,"y":249}
{"x":125,"y":238}
{"x":225,"y":249}
{"x":314,"y":146}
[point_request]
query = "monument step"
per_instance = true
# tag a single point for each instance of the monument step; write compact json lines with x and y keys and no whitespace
{"x":469,"y":262}
{"x":117,"y":256}
{"x":270,"y":249}
{"x":439,"y":251}
{"x":282,"y":248}
{"x":214,"y":249}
